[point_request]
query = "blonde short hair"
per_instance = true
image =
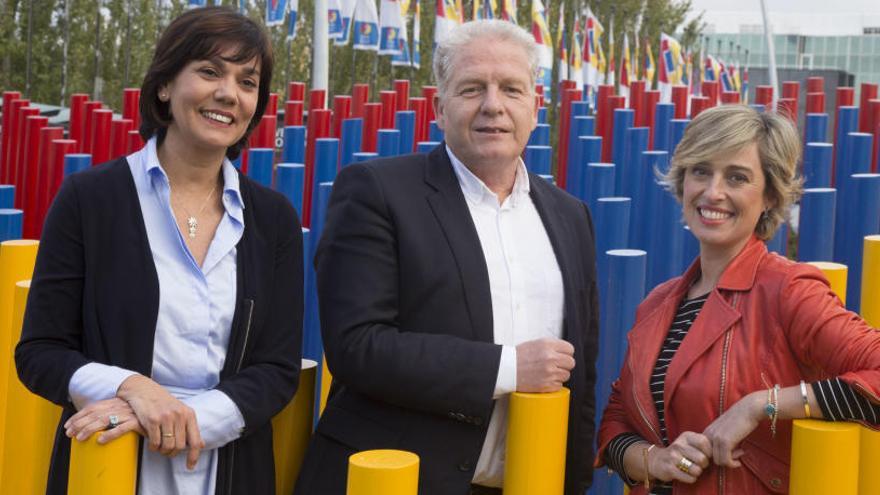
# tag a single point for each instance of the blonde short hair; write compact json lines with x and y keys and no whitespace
{"x":727,"y":129}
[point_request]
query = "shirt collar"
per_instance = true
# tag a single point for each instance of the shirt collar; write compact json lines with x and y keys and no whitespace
{"x":476,"y":191}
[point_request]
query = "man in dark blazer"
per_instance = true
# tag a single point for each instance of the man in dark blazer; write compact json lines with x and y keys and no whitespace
{"x":448,"y":280}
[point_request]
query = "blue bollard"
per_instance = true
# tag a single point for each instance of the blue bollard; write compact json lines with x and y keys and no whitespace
{"x":542,"y":115}
{"x":350,"y":143}
{"x":816,"y":225}
{"x":388,"y":142}
{"x":677,"y":132}
{"x":548,"y":177}
{"x":663,"y":222}
{"x":10,"y":224}
{"x":817,"y":165}
{"x":633,"y":183}
{"x":7,"y":195}
{"x":856,"y":159}
{"x":435,"y":133}
{"x":599,"y":183}
{"x":540,"y":136}
{"x":405,"y":122}
{"x":663,"y":126}
{"x":623,"y":120}
{"x":816,"y":128}
{"x":426,"y":146}
{"x":612,"y":217}
{"x":588,"y":149}
{"x":326,"y":153}
{"x":537,"y":159}
{"x":758,"y":108}
{"x":847,"y":122}
{"x":579,"y":108}
{"x":312,"y":345}
{"x":363,"y":156}
{"x":76,"y":162}
{"x":644,"y":177}
{"x":294,"y":149}
{"x":862,"y":220}
{"x":690,"y":248}
{"x":581,"y":125}
{"x":779,"y":242}
{"x":289,"y":179}
{"x":260,"y":165}
{"x":237,"y":162}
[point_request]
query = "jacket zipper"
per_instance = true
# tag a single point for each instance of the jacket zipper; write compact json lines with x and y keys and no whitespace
{"x":724,"y":356}
{"x":639,"y":407}
{"x":247,"y":333}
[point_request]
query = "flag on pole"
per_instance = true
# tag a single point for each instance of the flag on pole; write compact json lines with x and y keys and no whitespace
{"x":670,"y":66}
{"x":275,"y":10}
{"x":609,"y":78}
{"x":650,"y":67}
{"x":242,"y":7}
{"x":401,"y":58}
{"x":545,"y":46}
{"x":390,"y":26}
{"x":366,"y":26}
{"x":291,"y":19}
{"x":484,"y":9}
{"x":575,"y":72}
{"x":562,"y":43}
{"x":194,"y":4}
{"x":417,"y":35}
{"x":726,"y":80}
{"x":592,"y":34}
{"x":347,"y":11}
{"x":508,"y":10}
{"x":334,"y":19}
{"x":445,"y":19}
{"x":711,"y":69}
{"x":745,"y":84}
{"x":459,"y":11}
{"x":625,"y":70}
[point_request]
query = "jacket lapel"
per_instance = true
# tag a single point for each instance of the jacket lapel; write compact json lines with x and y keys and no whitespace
{"x":452,"y":213}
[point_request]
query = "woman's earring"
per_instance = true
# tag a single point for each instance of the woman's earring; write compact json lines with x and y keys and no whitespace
{"x":163,"y":96}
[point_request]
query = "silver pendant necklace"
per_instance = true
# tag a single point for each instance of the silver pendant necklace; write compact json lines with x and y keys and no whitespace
{"x":192,"y":223}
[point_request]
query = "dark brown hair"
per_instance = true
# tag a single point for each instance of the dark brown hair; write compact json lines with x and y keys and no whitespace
{"x":200,"y":34}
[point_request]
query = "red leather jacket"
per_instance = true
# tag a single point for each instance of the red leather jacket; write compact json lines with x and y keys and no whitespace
{"x":768,"y":321}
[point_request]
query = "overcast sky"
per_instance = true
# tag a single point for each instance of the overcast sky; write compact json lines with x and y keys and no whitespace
{"x":792,"y":6}
{"x":805,"y":17}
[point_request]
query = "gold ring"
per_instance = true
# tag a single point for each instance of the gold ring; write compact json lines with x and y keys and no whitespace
{"x":168,"y":435}
{"x":685,"y":465}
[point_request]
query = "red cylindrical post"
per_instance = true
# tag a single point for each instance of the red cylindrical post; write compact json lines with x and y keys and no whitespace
{"x":26,"y":185}
{"x":874,"y":112}
{"x":791,"y":89}
{"x":55,"y":168}
{"x":428,"y":92}
{"x":101,"y":135}
{"x":296,"y":91}
{"x":293,"y":112}
{"x":637,"y":102}
{"x":10,"y":152}
{"x":39,"y":177}
{"x":867,"y":93}
{"x":764,"y":95}
{"x":815,"y":84}
{"x":77,"y":127}
{"x":317,"y":99}
{"x":419,"y":105}
{"x":729,"y":97}
{"x":89,"y":110}
{"x":539,"y":92}
{"x":389,"y":107}
{"x":8,"y":98}
{"x":20,"y":149}
{"x":372,"y":121}
{"x":614,"y":102}
{"x":264,"y":134}
{"x":788,"y":108}
{"x":319,"y":127}
{"x":360,"y":96}
{"x":711,"y":90}
{"x":272,"y":105}
{"x":401,"y":87}
{"x":680,"y":99}
{"x":341,"y":111}
{"x":846,"y":96}
{"x":816,"y":102}
{"x":698,"y":104}
{"x":649,"y":102}
{"x":131,"y":100}
{"x":119,"y":137}
{"x":603,"y":115}
{"x":135,"y":142}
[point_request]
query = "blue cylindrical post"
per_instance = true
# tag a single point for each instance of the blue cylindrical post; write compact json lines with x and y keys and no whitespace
{"x":599,"y":183}
{"x":779,"y":242}
{"x":312,"y":345}
{"x":588,"y":149}
{"x":581,"y":125}
{"x":405,"y":122}
{"x":633,"y":161}
{"x":664,"y":245}
{"x":388,"y":142}
{"x":289,"y":179}
{"x":623,"y":120}
{"x":537,"y":159}
{"x":816,"y":128}
{"x":294,"y":150}
{"x":7,"y":195}
{"x":426,"y":146}
{"x":435,"y":133}
{"x":260,"y":165}
{"x":847,"y":122}
{"x":75,"y":162}
{"x":663,"y":115}
{"x":350,"y":143}
{"x":236,"y":162}
{"x":10,"y":224}
{"x":862,"y":220}
{"x":540,"y":136}
{"x":363,"y":156}
{"x":677,"y":132}
{"x":612,"y":218}
{"x":816,"y":225}
{"x":542,"y":115}
{"x":548,"y":177}
{"x":649,"y":190}
{"x":757,"y":107}
{"x":690,"y":248}
{"x":326,"y":153}
{"x":856,"y":159}
{"x":817,"y":164}
{"x":579,"y":107}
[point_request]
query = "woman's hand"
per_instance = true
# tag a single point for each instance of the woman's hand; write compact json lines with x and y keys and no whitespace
{"x":729,"y":429}
{"x":96,"y":417}
{"x":169,"y":424}
{"x":663,"y":464}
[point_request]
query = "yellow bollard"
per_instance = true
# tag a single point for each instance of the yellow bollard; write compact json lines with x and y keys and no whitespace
{"x":871,"y":281}
{"x":869,"y":459}
{"x":292,"y":429}
{"x":31,"y":420}
{"x":326,"y":381}
{"x":536,"y":437}
{"x":383,"y":472}
{"x":108,"y":468}
{"x":824,"y":458}
{"x":16,"y":263}
{"x":836,"y":275}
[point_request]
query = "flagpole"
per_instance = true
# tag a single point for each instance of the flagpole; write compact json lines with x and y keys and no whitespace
{"x":64,"y":51}
{"x":30,"y":33}
{"x":771,"y":52}
{"x":320,"y":46}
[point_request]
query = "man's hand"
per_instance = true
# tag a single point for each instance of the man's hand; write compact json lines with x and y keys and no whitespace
{"x":543,"y":365}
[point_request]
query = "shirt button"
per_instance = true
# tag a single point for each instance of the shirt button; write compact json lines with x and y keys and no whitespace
{"x":465,"y":466}
{"x":775,"y":482}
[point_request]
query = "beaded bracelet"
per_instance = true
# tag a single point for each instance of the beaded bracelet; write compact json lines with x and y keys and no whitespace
{"x":772,"y":408}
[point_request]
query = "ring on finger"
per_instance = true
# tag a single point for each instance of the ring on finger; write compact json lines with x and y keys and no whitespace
{"x":168,"y":435}
{"x":685,"y":465}
{"x":112,"y":421}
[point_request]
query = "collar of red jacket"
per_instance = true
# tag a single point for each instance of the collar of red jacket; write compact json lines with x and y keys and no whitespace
{"x":738,"y":276}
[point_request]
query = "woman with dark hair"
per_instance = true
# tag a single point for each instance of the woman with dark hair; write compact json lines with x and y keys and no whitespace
{"x":721,"y":359}
{"x":167,"y":293}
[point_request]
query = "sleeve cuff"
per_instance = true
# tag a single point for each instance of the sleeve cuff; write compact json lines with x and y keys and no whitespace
{"x":506,"y":381}
{"x":94,"y":382}
{"x":220,"y":421}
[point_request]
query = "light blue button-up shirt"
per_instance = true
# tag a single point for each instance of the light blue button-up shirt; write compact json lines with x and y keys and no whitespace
{"x":196,"y":307}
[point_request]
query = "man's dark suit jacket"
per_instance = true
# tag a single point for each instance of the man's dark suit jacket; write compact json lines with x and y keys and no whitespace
{"x":406,"y":319}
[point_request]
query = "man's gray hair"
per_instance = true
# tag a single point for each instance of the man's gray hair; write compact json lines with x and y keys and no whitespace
{"x":470,"y":34}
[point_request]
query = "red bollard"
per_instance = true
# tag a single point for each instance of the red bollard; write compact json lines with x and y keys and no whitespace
{"x":55,"y":169}
{"x":603,"y":115}
{"x":419,"y":105}
{"x":20,"y":150}
{"x":372,"y":120}
{"x":868,"y":93}
{"x":360,"y":96}
{"x":272,"y":105}
{"x":319,"y":127}
{"x":791,"y":89}
{"x":10,"y":153}
{"x":729,"y":97}
{"x":788,"y":108}
{"x":39,"y":177}
{"x":539,"y":92}
{"x":28,"y":165}
{"x":680,"y":99}
{"x":89,"y":109}
{"x":100,"y":135}
{"x":317,"y":99}
{"x":698,"y":104}
{"x":296,"y":91}
{"x":614,"y":102}
{"x":637,"y":102}
{"x":815,"y":84}
{"x":846,"y":97}
{"x":650,"y":100}
{"x":119,"y":137}
{"x":8,"y":98}
{"x":428,"y":92}
{"x":341,"y":111}
{"x":77,"y":128}
{"x":131,"y":100}
{"x":389,"y":106}
{"x":293,"y":112}
{"x":264,"y":134}
{"x":764,"y":95}
{"x":401,"y":87}
{"x":815,"y":102}
{"x":711,"y":90}
{"x":135,"y":142}
{"x":874,"y":112}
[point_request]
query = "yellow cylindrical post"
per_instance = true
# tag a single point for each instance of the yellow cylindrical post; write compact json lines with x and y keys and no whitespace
{"x":836,"y":275}
{"x":871,"y":281}
{"x":385,"y":472}
{"x":869,"y":459}
{"x":326,"y":381}
{"x":31,"y":423}
{"x":536,"y":438}
{"x":108,"y":468}
{"x":292,"y":429}
{"x":824,"y":458}
{"x":17,"y":260}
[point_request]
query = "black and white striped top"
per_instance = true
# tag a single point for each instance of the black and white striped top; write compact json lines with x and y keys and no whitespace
{"x":837,"y":400}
